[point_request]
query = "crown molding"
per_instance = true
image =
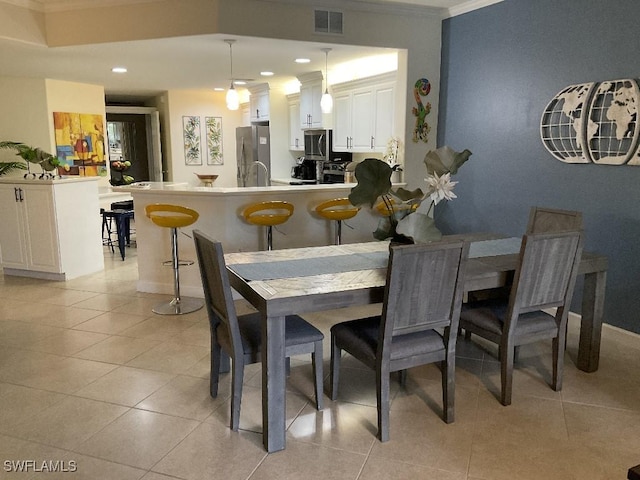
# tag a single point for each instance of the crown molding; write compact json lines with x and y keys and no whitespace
{"x":470,"y":6}
{"x":376,"y":6}
{"x":67,"y":5}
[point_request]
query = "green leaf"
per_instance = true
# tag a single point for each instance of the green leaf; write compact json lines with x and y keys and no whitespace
{"x":374,"y":179}
{"x":445,"y":160}
{"x":406,"y":195}
{"x":385,"y":229}
{"x":6,"y":167}
{"x":421,"y":228}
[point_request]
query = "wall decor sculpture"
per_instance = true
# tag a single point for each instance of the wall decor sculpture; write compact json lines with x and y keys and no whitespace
{"x":213,"y":134}
{"x":421,"y":131}
{"x":191,"y":136}
{"x":80,"y":143}
{"x":594,"y":123}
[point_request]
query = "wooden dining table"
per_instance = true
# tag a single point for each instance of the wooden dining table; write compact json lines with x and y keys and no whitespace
{"x":293,"y":281}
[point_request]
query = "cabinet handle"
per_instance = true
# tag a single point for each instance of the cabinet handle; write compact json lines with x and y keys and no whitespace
{"x":257,"y":113}
{"x":372,"y":143}
{"x":15,"y":193}
{"x":21,"y":195}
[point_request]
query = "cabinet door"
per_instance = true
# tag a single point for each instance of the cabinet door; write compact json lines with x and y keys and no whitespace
{"x":362,"y":120}
{"x":316,"y":111}
{"x":259,"y":106}
{"x":296,"y":140}
{"x":310,"y":111}
{"x":40,"y":228}
{"x":342,"y":122}
{"x":383,"y":127}
{"x":13,"y":247}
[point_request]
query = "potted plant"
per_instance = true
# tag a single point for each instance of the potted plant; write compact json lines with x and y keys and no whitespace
{"x":47,"y":162}
{"x":405,"y":216}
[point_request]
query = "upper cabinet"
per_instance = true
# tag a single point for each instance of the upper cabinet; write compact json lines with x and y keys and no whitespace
{"x":310,"y":96}
{"x":363,"y":114}
{"x":296,"y":134}
{"x":259,"y":103}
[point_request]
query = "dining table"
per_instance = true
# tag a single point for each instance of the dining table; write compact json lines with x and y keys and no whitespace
{"x":297,"y":280}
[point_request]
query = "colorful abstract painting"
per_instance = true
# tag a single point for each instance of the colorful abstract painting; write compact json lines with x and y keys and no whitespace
{"x":191,"y":136}
{"x":80,"y":143}
{"x":213,"y":128}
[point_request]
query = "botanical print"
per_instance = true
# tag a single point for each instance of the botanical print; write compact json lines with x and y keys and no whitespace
{"x":213,"y":129}
{"x":191,"y":133}
{"x":80,"y":143}
{"x":421,"y":131}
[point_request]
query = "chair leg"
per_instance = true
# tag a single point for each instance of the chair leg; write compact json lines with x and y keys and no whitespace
{"x":558,"y":362}
{"x":506,"y":373}
{"x":335,"y":369}
{"x":448,"y":388}
{"x":382,"y":391}
{"x":214,"y":376}
{"x":237,"y":377}
{"x":287,"y":366}
{"x":316,"y":361}
{"x":516,"y":354}
{"x":402,"y":377}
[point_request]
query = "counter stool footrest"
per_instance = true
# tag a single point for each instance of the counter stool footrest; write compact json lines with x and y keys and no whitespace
{"x":182,"y":263}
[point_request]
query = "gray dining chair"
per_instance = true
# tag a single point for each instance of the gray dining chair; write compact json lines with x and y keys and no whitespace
{"x":418,"y":325}
{"x":544,"y":278}
{"x":240,"y":337}
{"x":545,"y":220}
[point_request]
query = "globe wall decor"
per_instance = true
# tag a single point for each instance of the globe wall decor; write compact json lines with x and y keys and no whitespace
{"x":594,"y":123}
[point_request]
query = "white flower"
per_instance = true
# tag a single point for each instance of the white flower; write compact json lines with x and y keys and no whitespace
{"x":440,"y":188}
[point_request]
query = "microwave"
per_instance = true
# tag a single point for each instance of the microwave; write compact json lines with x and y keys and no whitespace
{"x":318,"y":145}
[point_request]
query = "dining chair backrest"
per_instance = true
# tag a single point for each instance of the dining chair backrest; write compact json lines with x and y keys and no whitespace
{"x":545,"y":220}
{"x":546,"y":274}
{"x":217,"y":290}
{"x":424,"y":288}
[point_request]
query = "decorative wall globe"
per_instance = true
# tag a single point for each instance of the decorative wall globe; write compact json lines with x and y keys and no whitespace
{"x":594,"y":122}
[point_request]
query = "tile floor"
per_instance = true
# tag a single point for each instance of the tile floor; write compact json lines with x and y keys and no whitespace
{"x":89,"y":375}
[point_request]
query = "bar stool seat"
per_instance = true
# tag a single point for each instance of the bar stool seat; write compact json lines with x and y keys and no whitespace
{"x":338,"y":209}
{"x":268,"y":214}
{"x":174,"y":217}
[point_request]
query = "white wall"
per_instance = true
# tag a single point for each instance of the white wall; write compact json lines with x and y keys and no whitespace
{"x":24,"y":115}
{"x":202,"y":103}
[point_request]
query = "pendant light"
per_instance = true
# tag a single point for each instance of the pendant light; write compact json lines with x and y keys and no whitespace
{"x":326,"y":102}
{"x":233,"y":102}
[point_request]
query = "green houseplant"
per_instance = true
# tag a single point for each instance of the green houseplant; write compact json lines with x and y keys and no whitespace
{"x":47,"y":162}
{"x":405,"y":214}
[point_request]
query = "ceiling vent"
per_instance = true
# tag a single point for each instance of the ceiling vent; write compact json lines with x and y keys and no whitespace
{"x":327,"y":21}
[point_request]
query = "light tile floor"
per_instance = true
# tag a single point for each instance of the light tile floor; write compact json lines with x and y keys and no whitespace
{"x":89,"y":375}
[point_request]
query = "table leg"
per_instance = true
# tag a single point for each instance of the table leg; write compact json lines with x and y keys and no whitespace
{"x":591,"y":323}
{"x":273,"y":384}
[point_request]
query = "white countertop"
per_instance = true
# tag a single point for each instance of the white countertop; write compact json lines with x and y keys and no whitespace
{"x":36,"y":181}
{"x":170,"y":188}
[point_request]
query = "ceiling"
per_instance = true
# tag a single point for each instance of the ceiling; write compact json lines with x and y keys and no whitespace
{"x":194,"y":62}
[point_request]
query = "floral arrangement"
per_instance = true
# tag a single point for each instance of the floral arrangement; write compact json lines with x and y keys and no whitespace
{"x":406,"y":214}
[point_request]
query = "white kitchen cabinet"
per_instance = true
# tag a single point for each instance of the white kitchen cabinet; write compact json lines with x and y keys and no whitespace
{"x":364,"y":114}
{"x":310,"y":96}
{"x":296,"y":134}
{"x":246,"y":114}
{"x":50,"y":228}
{"x":259,"y":103}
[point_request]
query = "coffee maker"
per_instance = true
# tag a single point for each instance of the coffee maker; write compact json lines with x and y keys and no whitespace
{"x":304,"y":170}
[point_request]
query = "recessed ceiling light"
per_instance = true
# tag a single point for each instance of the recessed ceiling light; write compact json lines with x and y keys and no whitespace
{"x":119,"y":70}
{"x":218,"y":89}
{"x":239,"y":82}
{"x":266,"y":74}
{"x":302,"y":60}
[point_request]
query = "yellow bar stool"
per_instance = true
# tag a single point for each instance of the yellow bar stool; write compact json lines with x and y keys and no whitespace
{"x":174,"y":217}
{"x":338,"y":209}
{"x":268,"y":214}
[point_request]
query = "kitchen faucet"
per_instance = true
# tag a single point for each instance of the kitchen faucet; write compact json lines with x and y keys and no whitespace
{"x":267,"y":180}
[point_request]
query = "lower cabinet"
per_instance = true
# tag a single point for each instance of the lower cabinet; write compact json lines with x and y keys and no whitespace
{"x":50,"y":228}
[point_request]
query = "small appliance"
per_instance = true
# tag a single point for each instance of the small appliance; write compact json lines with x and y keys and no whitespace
{"x":304,"y":169}
{"x":318,"y":145}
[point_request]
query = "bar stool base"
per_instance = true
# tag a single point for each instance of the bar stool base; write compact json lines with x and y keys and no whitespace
{"x":174,"y":307}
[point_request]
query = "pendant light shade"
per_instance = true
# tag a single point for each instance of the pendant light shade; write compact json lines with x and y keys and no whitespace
{"x":233,"y":102}
{"x":326,"y":102}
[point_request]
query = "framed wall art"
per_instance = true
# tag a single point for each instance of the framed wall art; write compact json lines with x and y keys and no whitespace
{"x":80,"y":143}
{"x":191,"y":136}
{"x":213,"y":134}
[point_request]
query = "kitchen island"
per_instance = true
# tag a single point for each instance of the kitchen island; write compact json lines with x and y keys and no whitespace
{"x":220,"y":212}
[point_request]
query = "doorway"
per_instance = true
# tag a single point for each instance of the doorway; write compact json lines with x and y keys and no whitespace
{"x":134,"y":141}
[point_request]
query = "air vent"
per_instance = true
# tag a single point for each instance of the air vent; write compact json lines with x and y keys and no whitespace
{"x":328,"y":22}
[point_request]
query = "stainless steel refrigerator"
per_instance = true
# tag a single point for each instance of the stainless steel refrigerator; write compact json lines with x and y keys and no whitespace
{"x":252,"y":155}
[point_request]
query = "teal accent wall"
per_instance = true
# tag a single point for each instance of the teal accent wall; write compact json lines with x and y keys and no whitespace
{"x":501,"y":65}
